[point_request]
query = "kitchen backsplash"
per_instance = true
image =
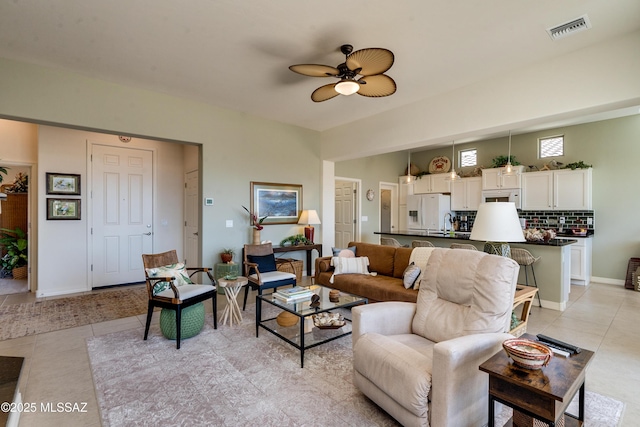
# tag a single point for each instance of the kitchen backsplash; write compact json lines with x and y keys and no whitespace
{"x":547,"y":219}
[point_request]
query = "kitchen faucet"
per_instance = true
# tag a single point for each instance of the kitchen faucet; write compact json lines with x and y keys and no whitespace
{"x":444,"y":227}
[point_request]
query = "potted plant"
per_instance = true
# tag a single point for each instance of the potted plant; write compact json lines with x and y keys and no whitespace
{"x":500,"y":161}
{"x":15,"y":260}
{"x":20,"y":184}
{"x":295,"y":240}
{"x":227,"y":255}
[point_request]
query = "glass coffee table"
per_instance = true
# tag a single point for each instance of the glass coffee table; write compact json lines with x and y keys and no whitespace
{"x":303,"y":334}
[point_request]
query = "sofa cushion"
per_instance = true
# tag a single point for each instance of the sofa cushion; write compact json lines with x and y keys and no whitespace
{"x":401,"y":261}
{"x":375,"y":288}
{"x":381,"y":258}
{"x":452,"y":301}
{"x":410,"y":275}
{"x":402,"y":372}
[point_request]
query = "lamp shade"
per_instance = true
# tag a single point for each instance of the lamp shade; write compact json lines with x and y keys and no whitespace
{"x":497,"y":222}
{"x":309,"y":217}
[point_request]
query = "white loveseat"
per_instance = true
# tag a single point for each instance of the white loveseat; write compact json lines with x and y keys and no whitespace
{"x":419,"y":361}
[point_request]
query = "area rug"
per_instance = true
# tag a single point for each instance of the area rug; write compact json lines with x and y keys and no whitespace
{"x":18,"y":320}
{"x":228,"y":377}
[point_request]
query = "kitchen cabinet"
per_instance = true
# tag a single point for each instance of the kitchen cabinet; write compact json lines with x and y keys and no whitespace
{"x":495,"y":179}
{"x":563,"y":189}
{"x":434,"y":183}
{"x":581,"y":260}
{"x":405,"y":184}
{"x":466,"y":194}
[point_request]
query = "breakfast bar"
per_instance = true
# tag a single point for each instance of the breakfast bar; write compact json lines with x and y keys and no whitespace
{"x":553,"y":270}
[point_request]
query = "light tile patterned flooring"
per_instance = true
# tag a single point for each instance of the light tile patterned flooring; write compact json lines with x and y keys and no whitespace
{"x":602,"y":318}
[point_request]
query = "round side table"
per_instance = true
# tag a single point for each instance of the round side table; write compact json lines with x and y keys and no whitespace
{"x":232,"y":287}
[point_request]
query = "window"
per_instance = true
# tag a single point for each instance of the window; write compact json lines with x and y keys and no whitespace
{"x":552,"y":146}
{"x":468,"y":157}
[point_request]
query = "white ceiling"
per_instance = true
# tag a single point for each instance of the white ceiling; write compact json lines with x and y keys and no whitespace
{"x":235,"y":53}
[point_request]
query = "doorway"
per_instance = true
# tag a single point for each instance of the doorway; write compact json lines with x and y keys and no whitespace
{"x":192,"y":218}
{"x":346,"y":214}
{"x":122,"y":213}
{"x":388,"y":207}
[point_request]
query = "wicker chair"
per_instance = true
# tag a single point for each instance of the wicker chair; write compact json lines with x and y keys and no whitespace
{"x":261,"y":268}
{"x":463,"y":246}
{"x":422,"y":244}
{"x":390,"y":241}
{"x":526,"y":259}
{"x":175,"y":297}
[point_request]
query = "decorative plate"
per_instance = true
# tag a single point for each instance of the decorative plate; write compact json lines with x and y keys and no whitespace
{"x":370,"y":195}
{"x":440,"y":164}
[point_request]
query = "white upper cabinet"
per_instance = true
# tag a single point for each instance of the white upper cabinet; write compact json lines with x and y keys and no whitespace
{"x":494,"y":179}
{"x":466,"y":194}
{"x":563,"y":189}
{"x":434,"y":183}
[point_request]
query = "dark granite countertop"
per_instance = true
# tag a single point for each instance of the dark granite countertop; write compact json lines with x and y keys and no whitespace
{"x":10,"y":368}
{"x":457,"y":235}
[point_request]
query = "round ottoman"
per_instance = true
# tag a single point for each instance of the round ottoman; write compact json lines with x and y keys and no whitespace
{"x":192,"y":321}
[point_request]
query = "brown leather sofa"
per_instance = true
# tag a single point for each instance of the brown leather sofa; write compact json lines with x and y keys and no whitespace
{"x":387,"y":261}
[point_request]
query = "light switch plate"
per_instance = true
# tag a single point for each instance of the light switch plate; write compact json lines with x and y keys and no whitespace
{"x":208,"y":201}
{"x":229,"y":223}
{"x":590,"y":221}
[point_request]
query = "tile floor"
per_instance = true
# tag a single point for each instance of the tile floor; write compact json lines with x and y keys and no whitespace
{"x":600,"y":317}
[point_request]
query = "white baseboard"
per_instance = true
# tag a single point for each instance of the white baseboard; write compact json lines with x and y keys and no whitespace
{"x":552,"y":305}
{"x":42,"y":294}
{"x":607,"y":281}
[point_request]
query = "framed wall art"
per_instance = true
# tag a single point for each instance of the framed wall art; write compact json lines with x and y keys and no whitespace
{"x":63,"y":183}
{"x":280,"y":203}
{"x":63,"y":208}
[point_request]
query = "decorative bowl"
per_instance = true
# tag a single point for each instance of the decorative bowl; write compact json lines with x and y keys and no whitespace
{"x":328,"y":320}
{"x":286,"y":319}
{"x":579,"y":231}
{"x":526,"y":353}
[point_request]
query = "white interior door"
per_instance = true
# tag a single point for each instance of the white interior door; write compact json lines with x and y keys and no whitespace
{"x":388,"y":207}
{"x":345,"y":203}
{"x":122,"y":213}
{"x":191,"y":223}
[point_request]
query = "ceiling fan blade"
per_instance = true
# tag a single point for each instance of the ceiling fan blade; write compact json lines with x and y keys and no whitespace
{"x":314,"y":70}
{"x":377,"y":86}
{"x":324,"y":93}
{"x":371,"y":61}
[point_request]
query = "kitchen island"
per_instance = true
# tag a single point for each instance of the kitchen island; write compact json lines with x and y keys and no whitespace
{"x":553,"y":270}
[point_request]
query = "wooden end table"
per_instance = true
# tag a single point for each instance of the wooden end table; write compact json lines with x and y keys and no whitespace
{"x":232,"y":287}
{"x":543,"y":394}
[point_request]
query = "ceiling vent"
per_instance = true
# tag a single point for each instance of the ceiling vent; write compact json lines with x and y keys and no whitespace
{"x":569,"y":28}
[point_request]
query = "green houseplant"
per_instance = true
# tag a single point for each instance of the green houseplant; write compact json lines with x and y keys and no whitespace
{"x":15,"y":244}
{"x":500,"y":161}
{"x":296,"y":239}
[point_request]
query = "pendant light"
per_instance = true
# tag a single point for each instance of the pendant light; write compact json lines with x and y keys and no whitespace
{"x":453,"y":175}
{"x":409,"y":168}
{"x":508,"y":169}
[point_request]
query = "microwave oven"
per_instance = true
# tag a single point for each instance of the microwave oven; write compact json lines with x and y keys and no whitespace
{"x":509,"y":195}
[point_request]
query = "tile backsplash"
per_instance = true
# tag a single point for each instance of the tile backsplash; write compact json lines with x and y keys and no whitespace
{"x":548,"y":219}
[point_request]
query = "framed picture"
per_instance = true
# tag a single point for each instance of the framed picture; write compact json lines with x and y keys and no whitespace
{"x":63,"y":183}
{"x":280,"y":203}
{"x":63,"y":208}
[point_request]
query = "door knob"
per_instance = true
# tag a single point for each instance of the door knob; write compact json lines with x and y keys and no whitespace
{"x":147,"y":234}
{"x":195,"y":234}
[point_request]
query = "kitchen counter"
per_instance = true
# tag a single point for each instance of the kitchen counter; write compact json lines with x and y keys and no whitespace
{"x":553,"y":269}
{"x":461,"y":235}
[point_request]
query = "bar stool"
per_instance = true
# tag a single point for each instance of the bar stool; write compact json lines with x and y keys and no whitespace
{"x":526,"y":259}
{"x":422,"y":244}
{"x":390,"y":241}
{"x":463,"y":246}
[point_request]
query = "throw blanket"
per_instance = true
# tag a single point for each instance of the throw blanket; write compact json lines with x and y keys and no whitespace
{"x":420,"y":256}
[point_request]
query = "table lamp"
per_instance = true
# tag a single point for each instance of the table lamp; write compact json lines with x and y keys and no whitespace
{"x":309,"y":217}
{"x":497,"y":223}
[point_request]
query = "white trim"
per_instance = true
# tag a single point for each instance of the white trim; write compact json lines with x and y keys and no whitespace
{"x":608,"y":281}
{"x":553,"y":305}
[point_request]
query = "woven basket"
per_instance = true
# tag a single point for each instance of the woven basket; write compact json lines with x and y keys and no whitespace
{"x":523,"y":420}
{"x":19,"y":273}
{"x":636,"y":279}
{"x":284,"y":264}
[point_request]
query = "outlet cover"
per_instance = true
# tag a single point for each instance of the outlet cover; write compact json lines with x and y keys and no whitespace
{"x":590,"y":221}
{"x":229,"y":223}
{"x":561,"y":220}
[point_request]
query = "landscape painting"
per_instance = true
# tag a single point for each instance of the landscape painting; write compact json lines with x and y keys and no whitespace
{"x":280,"y":203}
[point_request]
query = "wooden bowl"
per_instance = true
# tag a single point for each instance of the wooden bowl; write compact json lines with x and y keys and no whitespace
{"x":526,"y":353}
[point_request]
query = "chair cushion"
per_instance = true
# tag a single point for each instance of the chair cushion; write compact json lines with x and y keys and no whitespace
{"x":178,"y":271}
{"x":265,"y":262}
{"x":187,"y":291}
{"x":402,"y":372}
{"x":272,"y":276}
{"x":410,"y":275}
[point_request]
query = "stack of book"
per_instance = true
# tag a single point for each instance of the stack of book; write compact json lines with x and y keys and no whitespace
{"x":295,"y":294}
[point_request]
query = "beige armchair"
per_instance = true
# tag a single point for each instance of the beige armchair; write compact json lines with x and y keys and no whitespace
{"x":419,"y":362}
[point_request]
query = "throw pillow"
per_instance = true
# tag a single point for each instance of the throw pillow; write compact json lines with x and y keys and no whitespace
{"x":342,"y":265}
{"x":265,"y":262}
{"x":410,"y":275}
{"x":350,"y":252}
{"x":178,"y":271}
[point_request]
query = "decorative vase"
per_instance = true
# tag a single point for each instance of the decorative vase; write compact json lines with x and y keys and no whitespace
{"x":256,"y":236}
{"x":226,"y":258}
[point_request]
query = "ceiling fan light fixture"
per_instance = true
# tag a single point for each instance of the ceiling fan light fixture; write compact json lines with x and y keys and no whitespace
{"x":347,"y":87}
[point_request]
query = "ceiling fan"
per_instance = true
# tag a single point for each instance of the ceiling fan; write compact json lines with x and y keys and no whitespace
{"x":369,"y":63}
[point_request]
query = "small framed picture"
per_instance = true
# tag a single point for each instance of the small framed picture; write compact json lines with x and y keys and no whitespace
{"x":63,"y":183}
{"x":63,"y":208}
